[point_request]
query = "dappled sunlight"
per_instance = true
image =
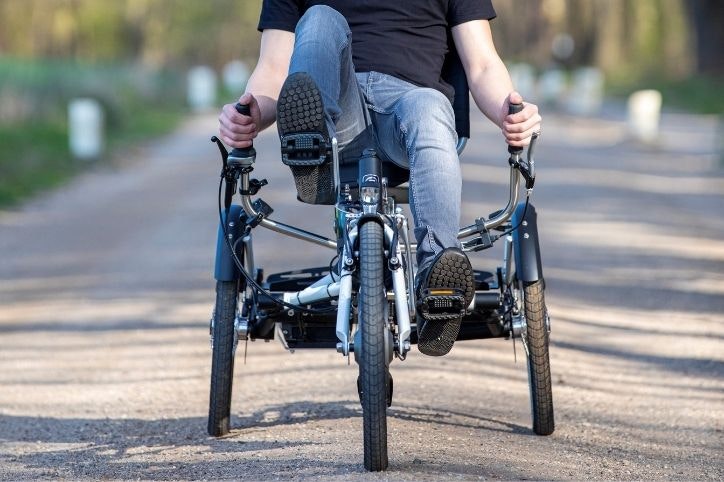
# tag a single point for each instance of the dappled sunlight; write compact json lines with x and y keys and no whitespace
{"x":603,"y":178}
{"x":686,"y":280}
{"x":678,"y":323}
{"x":636,"y":238}
{"x":153,"y":308}
{"x":66,"y":285}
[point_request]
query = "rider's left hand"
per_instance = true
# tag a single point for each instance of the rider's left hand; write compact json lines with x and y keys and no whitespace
{"x":518,"y":128}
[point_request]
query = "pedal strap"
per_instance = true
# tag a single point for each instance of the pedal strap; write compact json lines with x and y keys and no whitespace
{"x":305,"y":149}
{"x":441,"y":304}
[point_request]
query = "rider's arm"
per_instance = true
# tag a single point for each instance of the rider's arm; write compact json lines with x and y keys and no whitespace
{"x":262,"y":91}
{"x":490,"y":82}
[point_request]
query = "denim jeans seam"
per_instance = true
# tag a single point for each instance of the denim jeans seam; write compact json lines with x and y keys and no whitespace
{"x":345,"y":44}
{"x":411,"y":156}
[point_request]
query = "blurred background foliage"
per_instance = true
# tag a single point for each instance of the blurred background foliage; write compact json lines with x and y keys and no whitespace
{"x":132,"y":56}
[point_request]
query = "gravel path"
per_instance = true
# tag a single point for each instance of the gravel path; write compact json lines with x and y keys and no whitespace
{"x":106,"y":290}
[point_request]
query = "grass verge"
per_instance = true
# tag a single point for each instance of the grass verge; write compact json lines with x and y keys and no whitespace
{"x":698,"y":94}
{"x":35,"y":156}
{"x":138,"y":104}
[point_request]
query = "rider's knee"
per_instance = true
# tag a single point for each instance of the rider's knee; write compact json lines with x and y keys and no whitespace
{"x":323,"y":20}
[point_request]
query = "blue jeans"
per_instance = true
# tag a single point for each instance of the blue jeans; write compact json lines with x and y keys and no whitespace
{"x":414,"y":127}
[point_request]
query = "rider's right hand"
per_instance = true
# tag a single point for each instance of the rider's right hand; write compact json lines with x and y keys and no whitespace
{"x":238,"y":130}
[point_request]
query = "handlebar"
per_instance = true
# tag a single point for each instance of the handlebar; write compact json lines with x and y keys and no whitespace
{"x":244,"y":157}
{"x":514,"y":109}
{"x":242,"y":152}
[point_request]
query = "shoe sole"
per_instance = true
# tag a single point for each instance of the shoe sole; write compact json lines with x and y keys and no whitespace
{"x":300,"y":108}
{"x":304,"y":138}
{"x":452,"y":271}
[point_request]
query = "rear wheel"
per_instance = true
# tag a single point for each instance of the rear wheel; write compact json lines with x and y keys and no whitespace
{"x":222,"y":358}
{"x":374,"y":377}
{"x":538,"y":361}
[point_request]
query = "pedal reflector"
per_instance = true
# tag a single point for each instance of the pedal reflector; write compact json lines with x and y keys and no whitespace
{"x":304,"y":149}
{"x":441,"y":304}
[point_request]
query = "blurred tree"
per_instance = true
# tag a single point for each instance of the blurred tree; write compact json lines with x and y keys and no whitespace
{"x":708,"y":20}
{"x":629,"y":39}
{"x":154,"y":32}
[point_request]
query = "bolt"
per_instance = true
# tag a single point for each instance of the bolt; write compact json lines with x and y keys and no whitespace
{"x":290,"y":313}
{"x":526,"y":235}
{"x":231,"y":224}
{"x":348,"y":261}
{"x":525,"y":223}
{"x":394,"y":261}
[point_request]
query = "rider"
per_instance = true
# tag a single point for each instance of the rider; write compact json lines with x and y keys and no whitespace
{"x":379,"y":63}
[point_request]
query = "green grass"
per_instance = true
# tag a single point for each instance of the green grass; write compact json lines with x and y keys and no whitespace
{"x":34,"y":155}
{"x":698,"y":94}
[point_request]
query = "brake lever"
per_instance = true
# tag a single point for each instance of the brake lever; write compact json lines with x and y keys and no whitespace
{"x":222,"y":150}
{"x":526,"y":168}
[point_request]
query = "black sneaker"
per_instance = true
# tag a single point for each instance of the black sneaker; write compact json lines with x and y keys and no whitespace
{"x":446,"y":287}
{"x":300,"y":120}
{"x":305,"y":141}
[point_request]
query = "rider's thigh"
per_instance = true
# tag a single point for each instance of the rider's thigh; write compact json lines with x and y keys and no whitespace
{"x":420,"y":119}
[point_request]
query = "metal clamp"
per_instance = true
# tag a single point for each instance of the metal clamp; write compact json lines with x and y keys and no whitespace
{"x":483,"y":241}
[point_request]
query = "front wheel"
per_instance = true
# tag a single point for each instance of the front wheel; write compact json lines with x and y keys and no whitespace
{"x":374,"y":379}
{"x":538,"y":361}
{"x":222,"y":358}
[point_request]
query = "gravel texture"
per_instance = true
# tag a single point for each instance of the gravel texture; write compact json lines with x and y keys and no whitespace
{"x":106,"y":290}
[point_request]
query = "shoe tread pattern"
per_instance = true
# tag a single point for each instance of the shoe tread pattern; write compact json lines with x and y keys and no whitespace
{"x":451,"y":270}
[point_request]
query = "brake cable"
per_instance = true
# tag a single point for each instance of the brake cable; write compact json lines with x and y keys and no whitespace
{"x":249,"y":278}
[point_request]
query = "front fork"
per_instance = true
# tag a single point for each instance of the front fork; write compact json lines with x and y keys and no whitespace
{"x":401,"y":343}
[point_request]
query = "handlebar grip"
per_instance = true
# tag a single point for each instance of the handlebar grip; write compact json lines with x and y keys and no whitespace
{"x":514,"y":109}
{"x":245,"y":152}
{"x":242,"y":109}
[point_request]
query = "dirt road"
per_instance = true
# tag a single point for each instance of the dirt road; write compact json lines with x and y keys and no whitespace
{"x":106,"y":290}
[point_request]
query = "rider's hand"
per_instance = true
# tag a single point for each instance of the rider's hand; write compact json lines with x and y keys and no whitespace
{"x":238,"y":130}
{"x":518,"y":128}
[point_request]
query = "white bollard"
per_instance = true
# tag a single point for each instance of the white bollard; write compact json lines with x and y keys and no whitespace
{"x":586,"y":94}
{"x":235,"y":75}
{"x":85,"y":128}
{"x":201,"y":88}
{"x":644,"y":114}
{"x":552,"y":86}
{"x":523,"y":77}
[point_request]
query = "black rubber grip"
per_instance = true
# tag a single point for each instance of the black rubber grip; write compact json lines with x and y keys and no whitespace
{"x":243,"y":151}
{"x":514,"y":109}
{"x":242,"y":109}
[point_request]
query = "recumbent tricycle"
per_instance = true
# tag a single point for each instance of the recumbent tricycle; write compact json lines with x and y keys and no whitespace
{"x":364,"y":303}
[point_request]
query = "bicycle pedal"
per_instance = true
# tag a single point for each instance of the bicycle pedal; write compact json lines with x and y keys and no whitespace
{"x":304,"y":149}
{"x":441,"y":304}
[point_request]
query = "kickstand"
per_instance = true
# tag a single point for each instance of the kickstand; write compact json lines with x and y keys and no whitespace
{"x":515,"y":354}
{"x":246,"y":345}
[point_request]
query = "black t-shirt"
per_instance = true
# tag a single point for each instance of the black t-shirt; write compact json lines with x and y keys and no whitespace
{"x":404,"y":38}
